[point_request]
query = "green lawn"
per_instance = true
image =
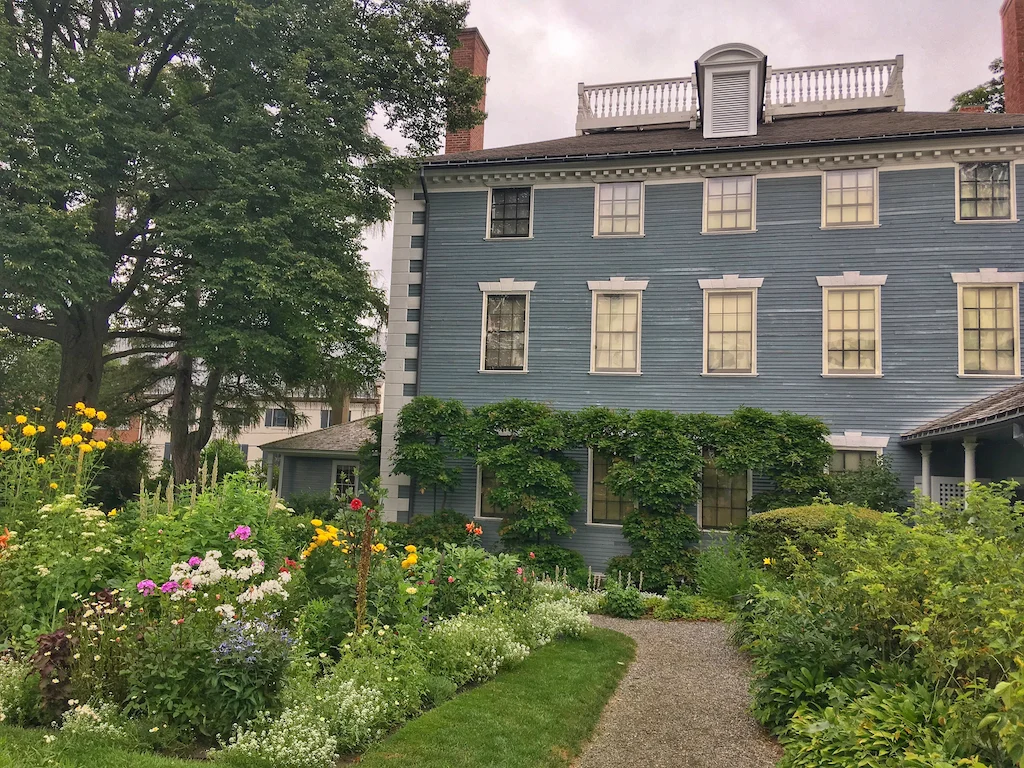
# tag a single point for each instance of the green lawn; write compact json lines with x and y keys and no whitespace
{"x":535,"y":716}
{"x":21,"y":748}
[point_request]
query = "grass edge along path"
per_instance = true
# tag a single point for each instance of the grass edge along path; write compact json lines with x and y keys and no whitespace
{"x":25,"y":748}
{"x":537,"y":715}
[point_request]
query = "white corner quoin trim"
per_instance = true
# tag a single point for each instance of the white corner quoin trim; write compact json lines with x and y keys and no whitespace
{"x":987,"y":275}
{"x":508,"y":284}
{"x":858,"y":440}
{"x":851,"y":279}
{"x":617,"y":284}
{"x":730,"y":281}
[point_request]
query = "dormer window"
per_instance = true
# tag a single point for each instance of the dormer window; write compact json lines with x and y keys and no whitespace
{"x":731,"y":81}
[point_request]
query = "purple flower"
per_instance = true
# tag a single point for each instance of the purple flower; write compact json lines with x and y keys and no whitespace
{"x":194,"y":561}
{"x":241,"y":533}
{"x":146,"y":587}
{"x":169,"y":586}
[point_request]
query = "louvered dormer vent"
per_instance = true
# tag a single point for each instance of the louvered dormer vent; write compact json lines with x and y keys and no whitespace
{"x":732,"y":112}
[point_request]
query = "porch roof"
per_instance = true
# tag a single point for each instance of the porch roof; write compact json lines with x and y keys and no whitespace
{"x":339,"y":440}
{"x":994,"y":410}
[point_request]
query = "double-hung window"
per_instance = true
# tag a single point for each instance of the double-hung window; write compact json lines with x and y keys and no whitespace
{"x":346,"y":478}
{"x":504,"y":337}
{"x":511,"y":212}
{"x":278,"y":417}
{"x":615,"y":334}
{"x":606,"y":508}
{"x":852,"y":460}
{"x":850,"y":198}
{"x":620,"y":207}
{"x":985,"y":192}
{"x":487,"y":482}
{"x":989,"y":320}
{"x":723,"y":498}
{"x":851,"y":324}
{"x":729,"y":204}
{"x":730,"y":325}
{"x":855,"y":451}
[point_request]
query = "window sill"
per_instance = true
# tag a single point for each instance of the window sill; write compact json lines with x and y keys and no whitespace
{"x":851,"y":376}
{"x":728,"y":231}
{"x":718,"y":531}
{"x":988,"y":376}
{"x":616,"y":373}
{"x":712,"y":375}
{"x":985,"y":221}
{"x":604,"y":525}
{"x":481,"y":517}
{"x":506,"y":239}
{"x":829,"y":227}
{"x":618,"y":237}
{"x":491,"y":373}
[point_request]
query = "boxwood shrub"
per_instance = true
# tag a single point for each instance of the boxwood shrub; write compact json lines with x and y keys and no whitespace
{"x":765,"y":534}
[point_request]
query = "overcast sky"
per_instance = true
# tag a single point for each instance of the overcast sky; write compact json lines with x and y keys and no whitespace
{"x":540,"y":50}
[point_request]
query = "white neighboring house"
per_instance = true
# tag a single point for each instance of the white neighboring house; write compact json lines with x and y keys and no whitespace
{"x":312,"y":413}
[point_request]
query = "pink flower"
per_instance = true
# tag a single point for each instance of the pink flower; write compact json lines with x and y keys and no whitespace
{"x":519,"y":571}
{"x":533,"y":556}
{"x":451,"y":579}
{"x":186,"y":583}
{"x":146,"y":587}
{"x":241,"y":533}
{"x":194,"y":561}
{"x":169,"y":586}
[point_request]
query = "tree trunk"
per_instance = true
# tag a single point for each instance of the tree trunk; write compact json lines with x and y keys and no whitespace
{"x":82,"y":332}
{"x":187,"y":444}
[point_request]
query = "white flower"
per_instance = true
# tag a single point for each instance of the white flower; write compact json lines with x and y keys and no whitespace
{"x":226,"y":611}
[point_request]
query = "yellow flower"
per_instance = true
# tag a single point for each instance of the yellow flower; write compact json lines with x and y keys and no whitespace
{"x":769,"y":561}
{"x":41,"y":429}
{"x":79,"y":406}
{"x":345,"y":550}
{"x":53,"y":486}
{"x":1,"y":430}
{"x":90,"y":413}
{"x":92,"y":443}
{"x":101,"y":444}
{"x":379,"y":547}
{"x":41,"y":460}
{"x":316,"y":522}
{"x":85,"y":448}
{"x":37,"y":409}
{"x":101,"y":415}
{"x":411,"y":548}
{"x":5,"y":445}
{"x":62,"y":424}
{"x":410,"y":590}
{"x":410,"y":561}
{"x":112,"y":513}
{"x":28,"y":430}
{"x":65,"y":441}
{"x":336,"y":543}
{"x":76,"y":439}
{"x":21,"y":419}
{"x":86,"y":427}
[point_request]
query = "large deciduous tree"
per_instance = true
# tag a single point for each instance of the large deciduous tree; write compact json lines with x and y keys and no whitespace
{"x":190,"y":179}
{"x":988,"y":95}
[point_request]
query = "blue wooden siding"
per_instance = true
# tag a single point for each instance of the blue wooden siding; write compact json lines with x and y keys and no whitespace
{"x":917,"y":246}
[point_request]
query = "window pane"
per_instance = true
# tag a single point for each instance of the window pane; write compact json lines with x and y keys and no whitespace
{"x":851,"y":335}
{"x":729,"y":328}
{"x":488,"y":483}
{"x":619,"y":207}
{"x":505,"y":340}
{"x":510,"y":212}
{"x":617,"y":327}
{"x":984,"y":190}
{"x":850,"y":197}
{"x":606,"y":507}
{"x":988,"y":330}
{"x":723,"y":498}
{"x":732,"y":194}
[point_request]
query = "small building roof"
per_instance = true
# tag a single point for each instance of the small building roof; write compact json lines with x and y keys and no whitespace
{"x":341,"y":439}
{"x":789,"y":132}
{"x":993,"y":410}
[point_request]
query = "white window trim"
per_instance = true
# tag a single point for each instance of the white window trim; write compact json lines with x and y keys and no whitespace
{"x":487,"y":231}
{"x":750,"y":288}
{"x":334,"y":473}
{"x":616,"y":285}
{"x":505,"y":286}
{"x":850,"y":440}
{"x":590,"y":494}
{"x":874,"y":224}
{"x":753,"y":207}
{"x":750,"y":70}
{"x":597,"y":208}
{"x":1013,"y":193}
{"x":851,"y":280}
{"x":992,"y":278}
{"x":700,"y":504}
{"x":479,"y":490}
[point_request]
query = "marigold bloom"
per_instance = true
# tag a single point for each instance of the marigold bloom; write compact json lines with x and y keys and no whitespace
{"x":62,"y":424}
{"x":316,"y":522}
{"x":90,"y":413}
{"x":1,"y":430}
{"x":40,"y":429}
{"x":41,"y":460}
{"x":21,"y":419}
{"x":79,"y":406}
{"x":76,"y":439}
{"x":28,"y":430}
{"x":65,"y":441}
{"x":101,"y":444}
{"x":410,"y":548}
{"x":5,"y":445}
{"x":53,"y":486}
{"x":86,"y":427}
{"x":101,"y":415}
{"x":85,"y":448}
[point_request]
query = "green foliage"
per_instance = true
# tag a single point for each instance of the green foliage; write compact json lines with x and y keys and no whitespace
{"x":664,"y":548}
{"x":544,"y":559}
{"x":874,"y":486}
{"x":989,"y":95}
{"x":767,"y":535}
{"x":369,"y":452}
{"x":623,"y":602}
{"x":30,"y":367}
{"x":722,"y":572}
{"x":524,"y":445}
{"x":121,"y":470}
{"x":227,"y":454}
{"x":428,"y":436}
{"x":446,"y":526}
{"x":681,"y":604}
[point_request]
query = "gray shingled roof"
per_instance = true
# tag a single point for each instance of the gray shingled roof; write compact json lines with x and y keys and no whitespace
{"x":1000,"y":407}
{"x":794,"y":131}
{"x":339,"y":439}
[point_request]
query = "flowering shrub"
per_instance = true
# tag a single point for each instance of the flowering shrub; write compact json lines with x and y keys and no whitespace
{"x":470,"y":648}
{"x":17,"y":690}
{"x":548,"y":620}
{"x":99,"y":722}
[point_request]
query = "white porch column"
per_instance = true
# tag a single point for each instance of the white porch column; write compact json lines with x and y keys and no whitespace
{"x":970,"y":446}
{"x":926,"y":470}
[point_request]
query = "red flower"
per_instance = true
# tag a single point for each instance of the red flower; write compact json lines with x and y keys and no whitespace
{"x":5,"y":538}
{"x":356,"y":505}
{"x":469,"y":527}
{"x":533,"y":556}
{"x":478,"y":531}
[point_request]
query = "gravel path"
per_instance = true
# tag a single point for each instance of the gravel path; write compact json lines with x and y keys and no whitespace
{"x":683,"y":703}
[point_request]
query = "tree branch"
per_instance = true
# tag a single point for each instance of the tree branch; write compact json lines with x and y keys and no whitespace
{"x":139,"y":351}
{"x":29,"y":327}
{"x":155,"y":335}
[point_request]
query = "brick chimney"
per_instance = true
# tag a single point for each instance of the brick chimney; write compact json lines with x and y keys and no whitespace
{"x":471,"y":54}
{"x":1013,"y":55}
{"x":971,"y":108}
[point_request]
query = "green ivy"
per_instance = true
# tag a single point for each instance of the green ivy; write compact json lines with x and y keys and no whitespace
{"x":427,"y":439}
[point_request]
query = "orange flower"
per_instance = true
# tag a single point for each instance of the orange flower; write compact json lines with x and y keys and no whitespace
{"x":5,"y":538}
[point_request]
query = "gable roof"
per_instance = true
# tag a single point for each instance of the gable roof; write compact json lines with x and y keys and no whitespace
{"x":795,"y":131}
{"x":339,"y":439}
{"x":1000,"y":407}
